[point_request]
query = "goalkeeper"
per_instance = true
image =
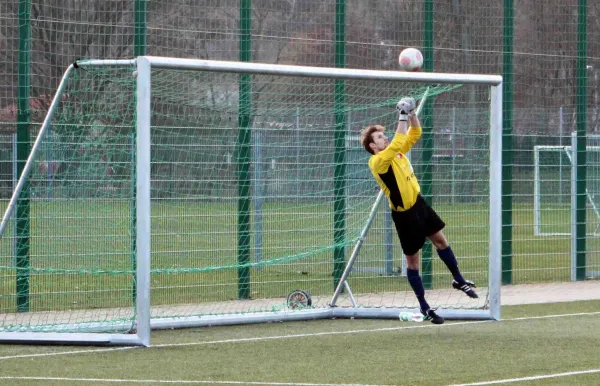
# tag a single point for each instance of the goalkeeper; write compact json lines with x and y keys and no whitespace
{"x":414,"y":219}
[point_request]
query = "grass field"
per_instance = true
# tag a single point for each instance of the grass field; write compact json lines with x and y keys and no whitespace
{"x":531,"y":341}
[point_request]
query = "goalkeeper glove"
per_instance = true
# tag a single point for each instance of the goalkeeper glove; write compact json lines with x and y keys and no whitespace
{"x":405,"y":107}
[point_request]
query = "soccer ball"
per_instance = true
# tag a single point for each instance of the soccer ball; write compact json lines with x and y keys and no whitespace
{"x":410,"y":59}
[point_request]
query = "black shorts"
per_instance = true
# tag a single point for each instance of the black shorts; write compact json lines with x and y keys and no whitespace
{"x":415,"y":225}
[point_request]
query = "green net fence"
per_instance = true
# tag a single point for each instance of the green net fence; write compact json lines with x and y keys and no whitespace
{"x":464,"y":38}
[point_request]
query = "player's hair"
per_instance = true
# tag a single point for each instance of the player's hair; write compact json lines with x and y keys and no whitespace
{"x":366,"y":136}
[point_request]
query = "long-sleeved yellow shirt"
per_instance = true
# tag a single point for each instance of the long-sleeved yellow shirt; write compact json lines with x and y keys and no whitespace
{"x":394,"y":173}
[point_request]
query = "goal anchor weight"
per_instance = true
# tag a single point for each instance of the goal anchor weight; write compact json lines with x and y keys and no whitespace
{"x":298,"y":299}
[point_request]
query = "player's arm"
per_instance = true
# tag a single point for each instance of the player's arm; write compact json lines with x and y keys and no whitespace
{"x":405,"y":137}
{"x":401,"y":143}
{"x":402,"y":127}
{"x":406,"y":115}
{"x":414,"y":132}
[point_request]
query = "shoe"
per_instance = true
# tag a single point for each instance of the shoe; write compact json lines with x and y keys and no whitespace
{"x":466,"y":287}
{"x":432,"y":316}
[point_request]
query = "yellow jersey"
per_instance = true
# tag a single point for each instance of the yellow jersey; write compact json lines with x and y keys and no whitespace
{"x":394,"y":173}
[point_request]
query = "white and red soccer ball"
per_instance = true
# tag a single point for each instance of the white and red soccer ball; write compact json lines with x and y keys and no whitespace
{"x":410,"y":59}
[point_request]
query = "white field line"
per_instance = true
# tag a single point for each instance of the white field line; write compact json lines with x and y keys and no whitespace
{"x":69,"y":352}
{"x":240,"y":340}
{"x":532,"y":378}
{"x":179,"y":382}
{"x":276,"y":337}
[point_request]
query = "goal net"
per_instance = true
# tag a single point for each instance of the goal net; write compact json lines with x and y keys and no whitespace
{"x":166,"y":193}
{"x":554,"y":194}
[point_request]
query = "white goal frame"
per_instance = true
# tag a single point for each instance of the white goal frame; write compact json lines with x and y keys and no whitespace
{"x":143,"y":323}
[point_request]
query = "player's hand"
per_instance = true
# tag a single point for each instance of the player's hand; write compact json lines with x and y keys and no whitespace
{"x":405,"y":107}
{"x":406,"y":104}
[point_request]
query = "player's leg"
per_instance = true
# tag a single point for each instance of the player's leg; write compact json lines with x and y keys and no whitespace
{"x":446,"y":254}
{"x":415,"y":281}
{"x":412,"y":239}
{"x":433,"y":226}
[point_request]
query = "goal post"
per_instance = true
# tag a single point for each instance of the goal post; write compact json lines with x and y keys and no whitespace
{"x":118,"y":326}
{"x":555,"y":195}
{"x":151,"y":195}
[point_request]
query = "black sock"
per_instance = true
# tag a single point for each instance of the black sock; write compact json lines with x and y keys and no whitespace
{"x":449,"y":259}
{"x":417,"y":285}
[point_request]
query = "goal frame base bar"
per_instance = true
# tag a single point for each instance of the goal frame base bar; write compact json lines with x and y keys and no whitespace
{"x":228,"y":320}
{"x":71,"y":338}
{"x":306,"y":315}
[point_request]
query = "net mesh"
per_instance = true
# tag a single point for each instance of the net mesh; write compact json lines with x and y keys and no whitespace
{"x":79,"y":272}
{"x":554,"y":182}
{"x":83,"y":205}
